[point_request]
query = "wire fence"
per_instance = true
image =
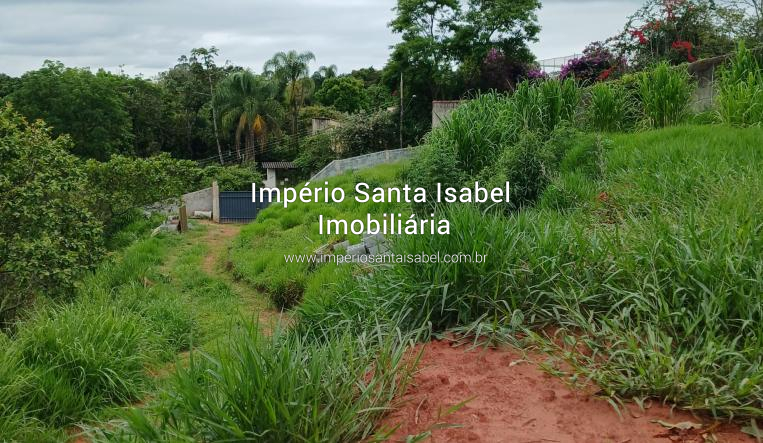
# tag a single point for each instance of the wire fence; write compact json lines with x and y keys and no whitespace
{"x":554,"y":65}
{"x":247,"y":154}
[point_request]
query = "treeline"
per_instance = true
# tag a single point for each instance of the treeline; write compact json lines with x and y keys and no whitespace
{"x":203,"y":108}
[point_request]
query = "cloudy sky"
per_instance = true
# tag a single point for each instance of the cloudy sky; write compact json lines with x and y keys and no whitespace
{"x":147,"y":36}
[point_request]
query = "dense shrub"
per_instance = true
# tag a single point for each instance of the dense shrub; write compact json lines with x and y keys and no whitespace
{"x":366,"y":132}
{"x":48,"y":236}
{"x":316,"y":151}
{"x":664,"y":93}
{"x":526,"y":165}
{"x":125,"y":183}
{"x":229,"y":178}
{"x":433,"y":164}
{"x":598,"y":63}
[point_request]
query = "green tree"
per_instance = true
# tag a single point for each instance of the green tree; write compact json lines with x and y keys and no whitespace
{"x":345,"y":94}
{"x":8,"y":84}
{"x":248,"y":107}
{"x":677,"y":32}
{"x":124,"y":184}
{"x":47,"y":235}
{"x":322,"y":74}
{"x":150,"y":109}
{"x":505,"y":25}
{"x":89,"y":107}
{"x":290,"y":70}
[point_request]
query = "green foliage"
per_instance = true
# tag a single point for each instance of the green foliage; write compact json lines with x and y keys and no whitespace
{"x":364,"y":132}
{"x":740,"y":90}
{"x":664,"y":93}
{"x":88,"y":107}
{"x":474,"y":132}
{"x":527,"y":165}
{"x":257,"y":256}
{"x":67,"y":362}
{"x":316,"y":151}
{"x":85,"y":356}
{"x":433,"y":164}
{"x":658,"y":279}
{"x":230,"y":178}
{"x":345,"y":94}
{"x":610,"y":108}
{"x":281,"y":388}
{"x":125,"y":183}
{"x":48,"y":237}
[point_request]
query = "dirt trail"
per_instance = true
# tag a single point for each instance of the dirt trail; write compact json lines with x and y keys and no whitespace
{"x":217,"y":239}
{"x":512,"y":400}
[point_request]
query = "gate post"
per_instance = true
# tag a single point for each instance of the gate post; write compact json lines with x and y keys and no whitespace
{"x":215,"y":202}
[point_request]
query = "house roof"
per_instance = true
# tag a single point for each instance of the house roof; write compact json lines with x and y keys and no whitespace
{"x":279,"y":165}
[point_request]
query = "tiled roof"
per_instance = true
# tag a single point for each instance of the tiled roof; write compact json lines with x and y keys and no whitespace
{"x":279,"y":165}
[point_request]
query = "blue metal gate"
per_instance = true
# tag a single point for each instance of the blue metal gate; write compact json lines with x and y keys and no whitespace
{"x":237,"y":207}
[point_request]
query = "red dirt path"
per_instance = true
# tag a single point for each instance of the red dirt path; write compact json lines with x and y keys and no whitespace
{"x":515,"y":401}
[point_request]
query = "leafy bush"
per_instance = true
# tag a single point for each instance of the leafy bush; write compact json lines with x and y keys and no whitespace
{"x":598,"y":63}
{"x":740,"y":90}
{"x":433,"y":164}
{"x":610,"y":108}
{"x":48,"y":237}
{"x":527,"y":165}
{"x":366,"y":132}
{"x":125,"y":183}
{"x":229,"y":178}
{"x":345,"y":94}
{"x":664,"y":94}
{"x":280,"y":388}
{"x":316,"y":151}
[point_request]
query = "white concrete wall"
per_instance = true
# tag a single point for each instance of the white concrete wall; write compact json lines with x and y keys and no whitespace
{"x":198,"y":201}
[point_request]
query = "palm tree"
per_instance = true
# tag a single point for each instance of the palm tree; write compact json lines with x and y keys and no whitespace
{"x":247,"y":104}
{"x":289,"y":69}
{"x":324,"y":73}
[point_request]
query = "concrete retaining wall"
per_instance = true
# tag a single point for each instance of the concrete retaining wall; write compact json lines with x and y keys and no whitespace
{"x":441,"y":110}
{"x":198,"y":201}
{"x":339,"y":167}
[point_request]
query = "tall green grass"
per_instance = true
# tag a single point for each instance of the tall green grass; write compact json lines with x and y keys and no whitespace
{"x":67,"y":362}
{"x":280,"y":388}
{"x":658,"y":271}
{"x":610,"y":108}
{"x":740,"y":90}
{"x":664,"y":95}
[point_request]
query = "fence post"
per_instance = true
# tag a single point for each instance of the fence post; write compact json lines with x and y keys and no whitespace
{"x":215,"y":202}
{"x":183,"y":223}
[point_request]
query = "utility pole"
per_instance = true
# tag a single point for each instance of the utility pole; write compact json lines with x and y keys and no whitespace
{"x":401,"y":109}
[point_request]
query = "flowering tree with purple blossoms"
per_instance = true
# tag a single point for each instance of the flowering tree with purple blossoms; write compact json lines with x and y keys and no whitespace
{"x":598,"y":63}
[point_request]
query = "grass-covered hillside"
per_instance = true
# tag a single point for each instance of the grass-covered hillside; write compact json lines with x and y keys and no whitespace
{"x":257,"y":256}
{"x":644,"y":251}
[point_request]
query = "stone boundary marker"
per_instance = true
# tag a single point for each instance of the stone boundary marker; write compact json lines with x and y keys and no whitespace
{"x":372,"y":244}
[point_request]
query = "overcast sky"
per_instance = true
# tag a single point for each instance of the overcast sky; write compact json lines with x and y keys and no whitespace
{"x":147,"y":36}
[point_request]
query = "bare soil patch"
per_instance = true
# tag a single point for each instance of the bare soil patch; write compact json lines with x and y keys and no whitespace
{"x":510,"y":399}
